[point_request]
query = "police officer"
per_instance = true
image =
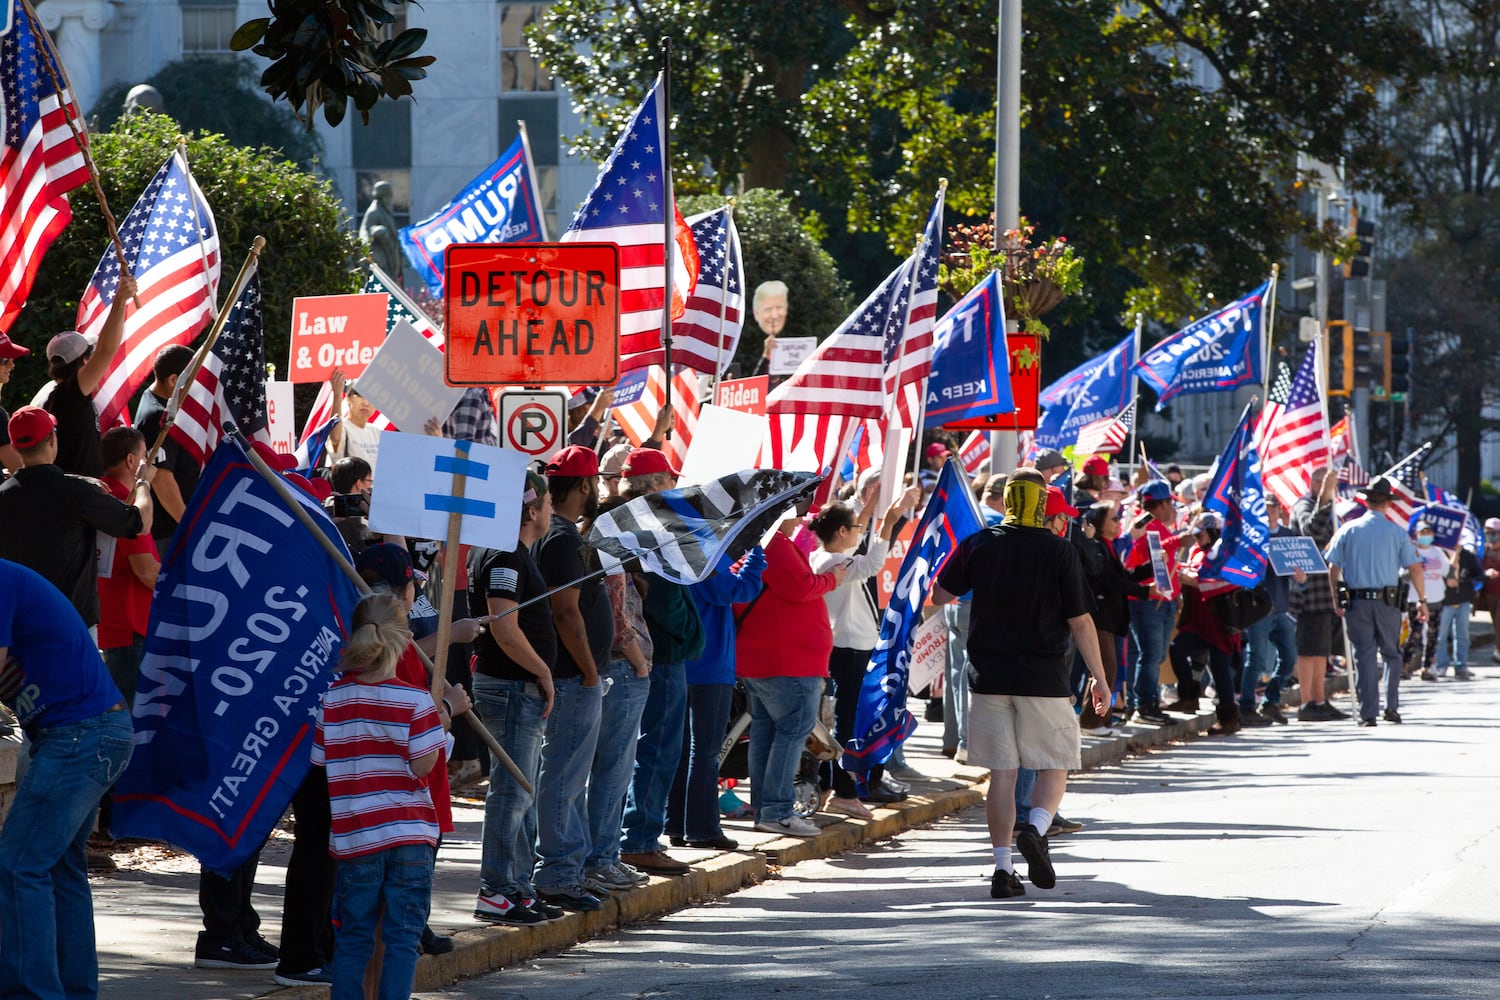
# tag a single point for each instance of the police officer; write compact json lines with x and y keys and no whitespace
{"x":1366,"y":556}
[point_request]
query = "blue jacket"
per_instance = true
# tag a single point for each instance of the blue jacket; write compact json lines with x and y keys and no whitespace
{"x":715,"y":598}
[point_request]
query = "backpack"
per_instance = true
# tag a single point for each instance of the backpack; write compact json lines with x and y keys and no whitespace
{"x":1240,"y":608}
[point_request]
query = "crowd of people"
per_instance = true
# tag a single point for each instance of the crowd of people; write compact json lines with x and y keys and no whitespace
{"x":612,"y":692}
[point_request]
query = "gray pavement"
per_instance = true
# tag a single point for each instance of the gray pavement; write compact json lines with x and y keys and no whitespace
{"x":1299,"y":861}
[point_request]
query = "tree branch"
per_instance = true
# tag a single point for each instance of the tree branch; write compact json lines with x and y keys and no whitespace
{"x":1177,"y":28}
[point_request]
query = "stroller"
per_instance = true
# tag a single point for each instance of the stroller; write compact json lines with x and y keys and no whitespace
{"x":734,"y":755}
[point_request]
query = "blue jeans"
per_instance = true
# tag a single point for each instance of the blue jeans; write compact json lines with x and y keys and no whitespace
{"x":1025,"y":783}
{"x":1150,"y":630}
{"x":124,"y":666}
{"x":657,"y":754}
{"x":782,"y":713}
{"x":614,"y":758}
{"x":512,"y":710}
{"x":46,"y":911}
{"x":1276,"y":631}
{"x":1453,"y":637}
{"x":562,"y":822}
{"x":390,"y":889}
{"x":693,"y":809}
{"x":956,"y":679}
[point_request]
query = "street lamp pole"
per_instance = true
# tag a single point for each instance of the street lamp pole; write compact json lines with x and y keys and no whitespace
{"x":1004,"y":445}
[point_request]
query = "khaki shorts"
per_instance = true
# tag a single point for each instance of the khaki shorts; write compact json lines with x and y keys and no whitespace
{"x":1009,"y":731}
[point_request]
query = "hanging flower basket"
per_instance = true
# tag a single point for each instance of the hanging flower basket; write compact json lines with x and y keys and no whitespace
{"x":1036,"y":277}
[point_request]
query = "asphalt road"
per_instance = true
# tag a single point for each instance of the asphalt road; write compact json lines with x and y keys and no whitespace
{"x":1301,"y":861}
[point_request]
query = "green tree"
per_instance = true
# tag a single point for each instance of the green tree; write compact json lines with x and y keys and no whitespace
{"x":776,"y":244}
{"x":253,"y":192}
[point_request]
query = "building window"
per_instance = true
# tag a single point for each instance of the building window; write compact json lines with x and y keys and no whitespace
{"x":207,"y":29}
{"x":519,"y":69}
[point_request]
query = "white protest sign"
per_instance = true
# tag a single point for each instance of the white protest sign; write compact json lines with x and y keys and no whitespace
{"x":725,"y":441}
{"x":789,"y":353}
{"x":929,"y":652}
{"x":404,"y":380}
{"x":281,"y":422}
{"x":413,"y":492}
{"x":534,"y":422}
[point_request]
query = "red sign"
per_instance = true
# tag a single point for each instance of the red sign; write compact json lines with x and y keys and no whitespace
{"x":745,"y":394}
{"x":1025,"y":386}
{"x":336,"y":332}
{"x":532,"y":313}
{"x":885,"y":583}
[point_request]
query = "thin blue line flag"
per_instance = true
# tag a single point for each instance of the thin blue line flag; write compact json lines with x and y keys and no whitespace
{"x":1219,"y":352}
{"x":1239,"y":556}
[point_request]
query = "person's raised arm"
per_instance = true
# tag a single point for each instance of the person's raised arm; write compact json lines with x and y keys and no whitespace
{"x":94,"y":369}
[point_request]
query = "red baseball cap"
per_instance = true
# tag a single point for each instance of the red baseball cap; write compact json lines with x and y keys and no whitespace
{"x":10,"y":350}
{"x":30,"y":426}
{"x":275,"y":459}
{"x":576,"y":461}
{"x":645,"y":461}
{"x":1058,"y":504}
{"x":1096,"y":465}
{"x":935,"y":449}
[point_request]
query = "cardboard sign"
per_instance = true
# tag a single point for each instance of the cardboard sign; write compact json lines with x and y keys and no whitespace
{"x":725,"y":441}
{"x":929,"y":653}
{"x":340,"y":332}
{"x":1025,"y":385}
{"x":1159,"y":562}
{"x":1447,"y":525}
{"x":532,"y":313}
{"x":788,"y":354}
{"x":748,"y":395}
{"x":1293,"y":552}
{"x":281,"y":420}
{"x":533,"y":423}
{"x":404,"y":381}
{"x":413,"y":492}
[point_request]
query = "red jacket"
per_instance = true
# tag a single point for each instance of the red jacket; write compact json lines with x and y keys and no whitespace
{"x":787,"y":632}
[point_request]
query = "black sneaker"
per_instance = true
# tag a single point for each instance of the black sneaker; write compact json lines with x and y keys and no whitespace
{"x":235,"y":955}
{"x":577,"y":899}
{"x":1033,"y":847}
{"x":1366,"y":723}
{"x":1330,"y":712}
{"x":1004,"y":885}
{"x":1392,"y":716}
{"x":312,"y":977}
{"x":547,"y":910}
{"x":499,"y":908}
{"x":1254,"y":720}
{"x":434,"y":943}
{"x":1274,"y":713}
{"x":1061,"y":824}
{"x":261,"y":946}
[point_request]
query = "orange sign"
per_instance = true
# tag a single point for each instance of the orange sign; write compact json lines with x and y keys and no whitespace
{"x":1025,"y":386}
{"x":745,"y":394}
{"x":532,"y":313}
{"x":336,"y":332}
{"x":885,"y":583}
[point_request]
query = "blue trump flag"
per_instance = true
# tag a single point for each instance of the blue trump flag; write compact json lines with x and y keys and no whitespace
{"x":1219,"y":352}
{"x":501,"y":205}
{"x":882,"y":722}
{"x":970,"y":368}
{"x":1094,"y":390}
{"x":246,"y":626}
{"x":1235,"y":493}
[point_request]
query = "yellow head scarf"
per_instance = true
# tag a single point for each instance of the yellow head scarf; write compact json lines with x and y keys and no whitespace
{"x":1025,"y":504}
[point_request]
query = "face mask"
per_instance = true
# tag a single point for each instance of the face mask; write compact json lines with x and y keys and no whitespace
{"x":1424,"y":540}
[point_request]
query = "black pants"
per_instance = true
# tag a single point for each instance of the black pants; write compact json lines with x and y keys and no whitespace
{"x":1187,"y":650}
{"x":846,"y":668}
{"x":460,"y":672}
{"x":306,"y":926}
{"x":228,"y":915}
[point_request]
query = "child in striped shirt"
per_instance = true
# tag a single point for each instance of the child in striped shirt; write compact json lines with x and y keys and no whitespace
{"x":379,"y":737}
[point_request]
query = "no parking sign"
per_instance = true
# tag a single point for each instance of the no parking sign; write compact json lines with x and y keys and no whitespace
{"x":533,"y":422}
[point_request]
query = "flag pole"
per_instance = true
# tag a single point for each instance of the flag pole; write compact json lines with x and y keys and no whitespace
{"x":393,"y":287}
{"x":916,"y":432}
{"x":1268,"y":330}
{"x":1135,"y":392}
{"x":449,"y":583}
{"x":536,"y":192}
{"x":669,"y":218}
{"x":724,"y":304}
{"x":53,"y":65}
{"x":341,"y":559}
{"x":185,"y":380}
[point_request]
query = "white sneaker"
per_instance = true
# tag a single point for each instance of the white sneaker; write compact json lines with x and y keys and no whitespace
{"x":793,"y":826}
{"x":1102,"y":731}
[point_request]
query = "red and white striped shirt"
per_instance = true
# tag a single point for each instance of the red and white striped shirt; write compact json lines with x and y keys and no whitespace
{"x":367,"y":738}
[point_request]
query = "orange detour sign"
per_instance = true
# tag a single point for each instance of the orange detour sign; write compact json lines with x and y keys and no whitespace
{"x":532,"y":313}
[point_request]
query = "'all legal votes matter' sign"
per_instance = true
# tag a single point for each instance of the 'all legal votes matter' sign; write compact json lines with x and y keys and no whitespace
{"x":532,"y":313}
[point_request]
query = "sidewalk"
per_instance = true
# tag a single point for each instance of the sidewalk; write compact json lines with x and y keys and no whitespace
{"x":147,"y":915}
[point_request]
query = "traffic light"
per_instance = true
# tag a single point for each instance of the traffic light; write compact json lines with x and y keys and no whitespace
{"x":1340,"y":358}
{"x":1373,"y":351}
{"x":1363,"y":230}
{"x":1398,"y":367}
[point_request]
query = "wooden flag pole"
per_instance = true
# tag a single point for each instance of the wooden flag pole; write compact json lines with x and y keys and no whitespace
{"x":185,"y":380}
{"x":451,"y":550}
{"x":284,"y":491}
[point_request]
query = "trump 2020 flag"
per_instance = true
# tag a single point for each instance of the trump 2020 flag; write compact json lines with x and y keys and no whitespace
{"x":882,"y":722}
{"x":249,"y":616}
{"x":501,"y":205}
{"x":1219,"y":352}
{"x":683,"y":534}
{"x":1236,"y":493}
{"x":1091,"y":392}
{"x":970,"y":369}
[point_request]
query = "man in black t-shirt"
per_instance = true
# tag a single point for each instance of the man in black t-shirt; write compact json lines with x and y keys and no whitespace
{"x":78,"y":366}
{"x":513,"y":662}
{"x":1029,"y":596}
{"x":170,"y":492}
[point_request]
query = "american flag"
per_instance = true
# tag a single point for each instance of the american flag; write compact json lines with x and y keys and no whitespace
{"x":706,"y":336}
{"x":172,"y":248}
{"x":1292,"y":434}
{"x":630,"y":205}
{"x":1108,"y":435}
{"x":1410,"y":490}
{"x":41,"y":163}
{"x":883,"y":351}
{"x":975,"y":451}
{"x":231,"y":385}
{"x":637,"y":419}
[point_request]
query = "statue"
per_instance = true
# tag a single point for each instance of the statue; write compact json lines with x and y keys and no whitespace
{"x":378,"y":230}
{"x":142,"y":98}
